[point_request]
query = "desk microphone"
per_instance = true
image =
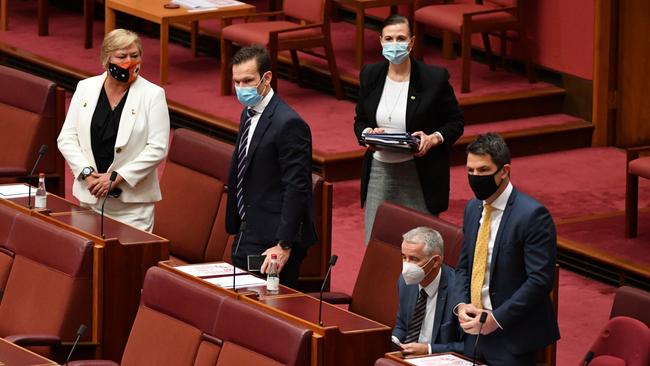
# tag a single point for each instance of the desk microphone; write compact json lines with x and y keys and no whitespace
{"x":333,"y":260}
{"x":588,"y":357}
{"x":481,"y":320}
{"x":41,"y":152}
{"x":80,"y":333}
{"x":242,"y":227}
{"x":110,"y":184}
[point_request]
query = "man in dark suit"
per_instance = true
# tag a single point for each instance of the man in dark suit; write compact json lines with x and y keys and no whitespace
{"x":425,"y":320}
{"x":507,"y":264}
{"x":269,"y":186}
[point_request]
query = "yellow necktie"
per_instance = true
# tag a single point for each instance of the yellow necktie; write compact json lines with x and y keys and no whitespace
{"x":480,"y":258}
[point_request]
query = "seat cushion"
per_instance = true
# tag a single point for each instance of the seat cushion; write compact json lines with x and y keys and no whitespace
{"x":258,"y":32}
{"x":450,"y":17}
{"x":640,"y":167}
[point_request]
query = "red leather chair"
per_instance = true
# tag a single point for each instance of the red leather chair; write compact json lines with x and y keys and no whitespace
{"x":305,"y":25}
{"x":32,"y":110}
{"x":382,"y":262}
{"x":490,"y":17}
{"x":48,"y":293}
{"x":636,"y":167}
{"x":7,"y":249}
{"x":192,"y":213}
{"x":623,"y":341}
{"x":386,"y":362}
{"x":631,"y":302}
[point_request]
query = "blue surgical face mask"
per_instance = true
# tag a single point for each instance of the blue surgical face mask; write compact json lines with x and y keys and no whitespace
{"x":248,"y":95}
{"x":395,"y":52}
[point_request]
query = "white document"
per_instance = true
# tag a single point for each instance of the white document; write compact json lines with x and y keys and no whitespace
{"x":241,"y":281}
{"x":439,"y":360}
{"x":15,"y":191}
{"x":206,"y":4}
{"x":209,"y":269}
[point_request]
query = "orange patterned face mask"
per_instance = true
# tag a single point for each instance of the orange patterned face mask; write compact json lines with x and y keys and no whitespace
{"x":125,"y":72}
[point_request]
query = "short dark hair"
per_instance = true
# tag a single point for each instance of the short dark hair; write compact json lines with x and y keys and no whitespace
{"x":396,"y":19}
{"x":256,"y":52}
{"x":493,"y":145}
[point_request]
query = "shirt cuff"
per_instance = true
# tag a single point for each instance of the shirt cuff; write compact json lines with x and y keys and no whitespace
{"x":455,"y":311}
{"x":442,"y":139}
{"x":429,"y":345}
{"x":366,"y":130}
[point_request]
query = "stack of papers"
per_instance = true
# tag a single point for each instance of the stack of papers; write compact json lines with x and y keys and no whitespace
{"x":241,"y":281}
{"x":438,"y":360}
{"x":209,"y":269}
{"x":15,"y":191}
{"x":206,"y":4}
{"x":399,"y":141}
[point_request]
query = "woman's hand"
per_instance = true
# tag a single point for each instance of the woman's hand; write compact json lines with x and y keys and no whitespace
{"x":98,"y":183}
{"x":426,"y":142}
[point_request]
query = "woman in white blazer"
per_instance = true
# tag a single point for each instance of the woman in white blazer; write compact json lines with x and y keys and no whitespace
{"x":117,"y":122}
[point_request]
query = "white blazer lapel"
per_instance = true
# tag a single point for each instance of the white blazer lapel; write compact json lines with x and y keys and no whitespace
{"x":129,"y":113}
{"x":88,"y":105}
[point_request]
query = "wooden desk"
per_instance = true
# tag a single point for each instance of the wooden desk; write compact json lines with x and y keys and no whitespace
{"x":360,"y":7}
{"x":344,"y":339}
{"x":153,"y":11}
{"x":13,"y":355}
{"x":120,"y":262}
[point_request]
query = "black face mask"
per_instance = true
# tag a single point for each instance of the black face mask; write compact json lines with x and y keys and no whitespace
{"x":483,"y":185}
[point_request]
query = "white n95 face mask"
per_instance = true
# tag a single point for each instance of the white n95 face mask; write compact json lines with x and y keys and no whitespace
{"x":413,"y":273}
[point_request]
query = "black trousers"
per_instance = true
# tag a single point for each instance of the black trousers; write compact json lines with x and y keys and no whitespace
{"x":290,"y":271}
{"x":491,"y":351}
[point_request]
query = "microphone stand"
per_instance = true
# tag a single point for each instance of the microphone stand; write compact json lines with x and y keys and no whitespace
{"x":481,"y":320}
{"x":80,"y":333}
{"x":110,"y":184}
{"x":332,"y":262}
{"x":242,"y":228}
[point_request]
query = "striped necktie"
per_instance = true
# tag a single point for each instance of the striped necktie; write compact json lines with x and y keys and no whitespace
{"x":418,"y":318}
{"x":242,"y":151}
{"x":480,"y":258}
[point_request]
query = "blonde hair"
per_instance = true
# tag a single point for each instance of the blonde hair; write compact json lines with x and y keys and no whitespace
{"x":118,"y":39}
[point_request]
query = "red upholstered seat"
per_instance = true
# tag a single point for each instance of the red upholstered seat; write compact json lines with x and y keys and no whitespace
{"x":624,"y":341}
{"x":386,"y":362}
{"x":450,"y":17}
{"x":258,"y":32}
{"x":253,"y":337}
{"x":636,"y":166}
{"x":197,"y":167}
{"x":48,"y":291}
{"x":640,"y":167}
{"x":488,"y":17}
{"x":7,"y":248}
{"x":632,"y":302}
{"x":304,"y":26}
{"x":28,"y":106}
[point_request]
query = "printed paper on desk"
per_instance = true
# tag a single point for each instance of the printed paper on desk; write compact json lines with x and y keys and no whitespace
{"x":439,"y":360}
{"x":209,"y":269}
{"x":15,"y":191}
{"x":241,"y":281}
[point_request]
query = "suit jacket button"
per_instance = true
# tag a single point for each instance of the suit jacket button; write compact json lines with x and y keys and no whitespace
{"x":118,"y":150}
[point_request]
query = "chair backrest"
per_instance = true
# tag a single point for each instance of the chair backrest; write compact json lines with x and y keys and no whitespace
{"x":382,"y":262}
{"x":622,"y":339}
{"x":314,"y":266}
{"x":253,"y":337}
{"x":49,"y":288}
{"x":28,"y":105}
{"x":170,"y":327}
{"x":631,"y":302}
{"x":7,"y":249}
{"x":313,"y":11}
{"x":194,"y":197}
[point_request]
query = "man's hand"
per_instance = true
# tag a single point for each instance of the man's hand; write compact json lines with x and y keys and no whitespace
{"x":415,"y":349}
{"x":490,"y":324}
{"x":468,"y":317}
{"x":426,"y":142}
{"x":283,"y":257}
{"x":98,"y":183}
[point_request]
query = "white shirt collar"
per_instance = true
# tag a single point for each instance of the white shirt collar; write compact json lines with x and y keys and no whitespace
{"x":259,"y":108}
{"x":432,"y":288}
{"x":501,"y":201}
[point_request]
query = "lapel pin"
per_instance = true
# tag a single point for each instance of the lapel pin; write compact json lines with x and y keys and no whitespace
{"x":85,"y":104}
{"x":412,"y":97}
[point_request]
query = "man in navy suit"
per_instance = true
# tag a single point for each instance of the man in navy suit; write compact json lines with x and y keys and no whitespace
{"x":425,"y":320}
{"x":506,"y":267}
{"x":269,"y":185}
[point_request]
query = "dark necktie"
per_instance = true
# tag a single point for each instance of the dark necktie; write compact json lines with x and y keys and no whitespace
{"x":242,"y":151}
{"x":418,"y":317}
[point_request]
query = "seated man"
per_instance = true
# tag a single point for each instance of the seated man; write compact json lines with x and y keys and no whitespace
{"x":425,"y":320}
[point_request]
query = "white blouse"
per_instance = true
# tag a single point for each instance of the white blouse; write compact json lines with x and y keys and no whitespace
{"x":391,"y":116}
